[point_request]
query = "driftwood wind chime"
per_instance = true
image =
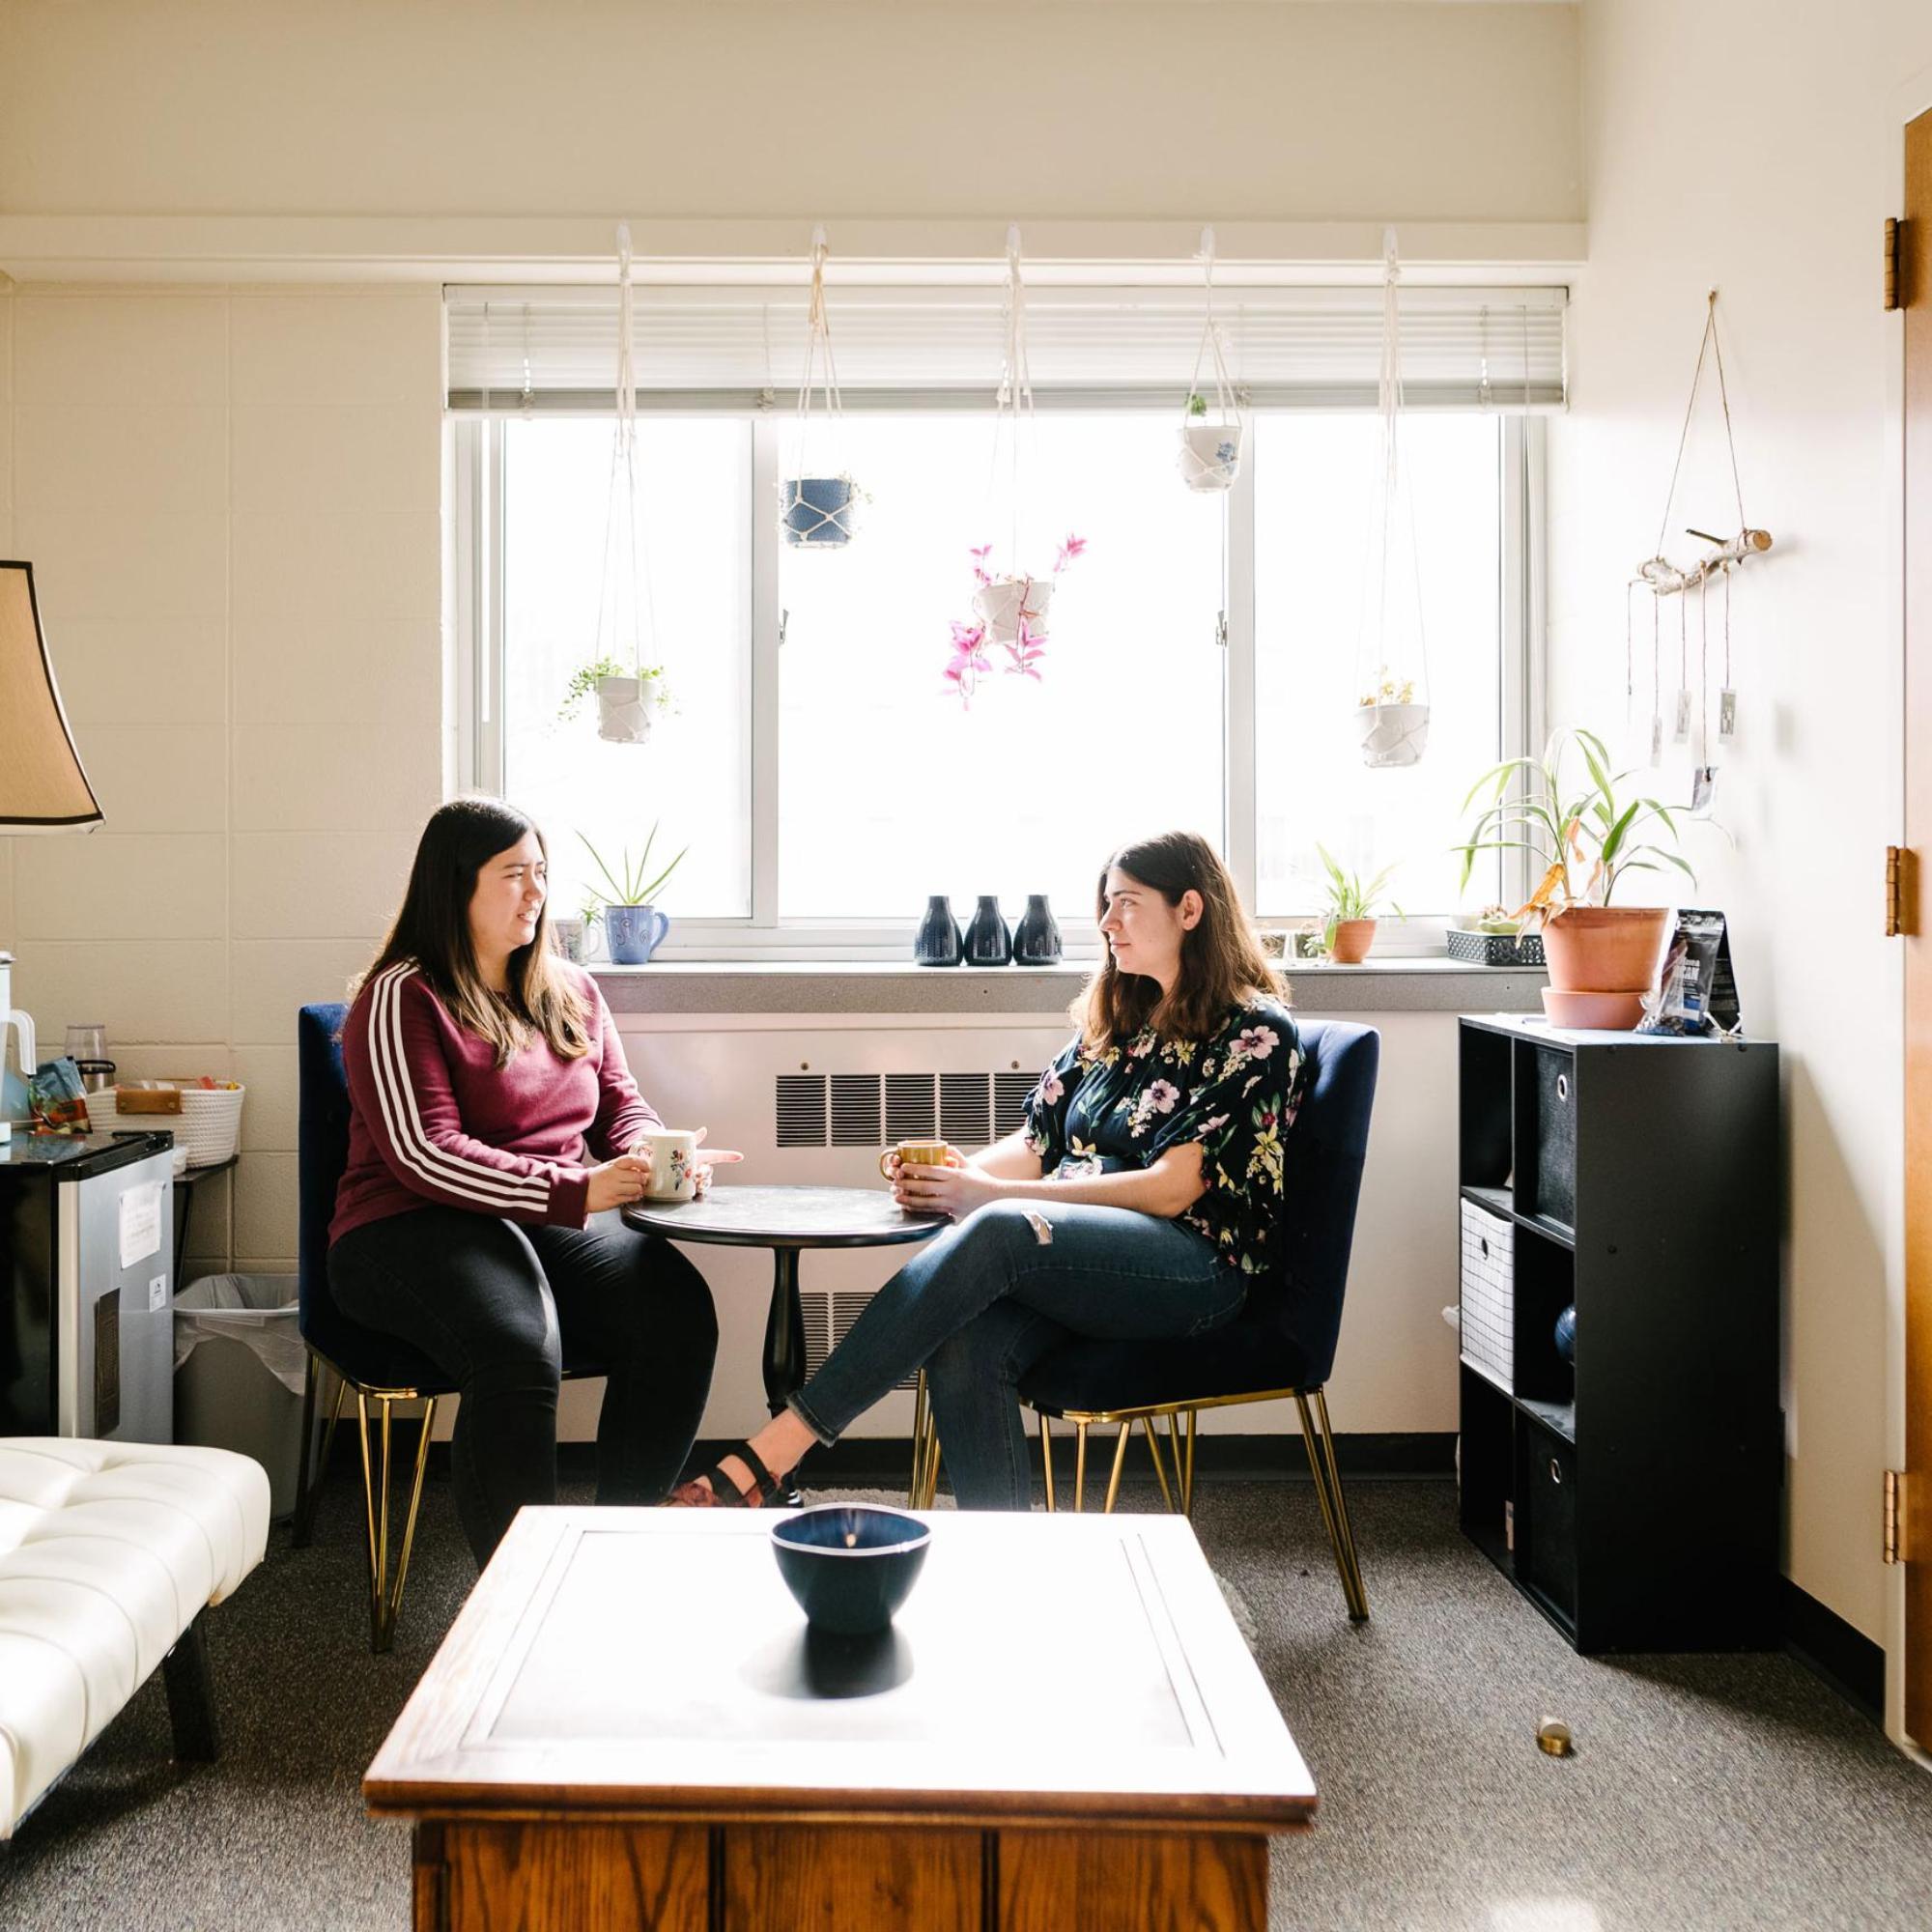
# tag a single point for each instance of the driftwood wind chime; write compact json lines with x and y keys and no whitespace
{"x":1663,"y":579}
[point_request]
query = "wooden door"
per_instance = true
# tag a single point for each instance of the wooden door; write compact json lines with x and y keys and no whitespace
{"x":1914,"y":295}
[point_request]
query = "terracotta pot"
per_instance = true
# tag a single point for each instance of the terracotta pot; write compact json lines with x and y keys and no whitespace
{"x":1352,"y":939}
{"x":1604,"y":949}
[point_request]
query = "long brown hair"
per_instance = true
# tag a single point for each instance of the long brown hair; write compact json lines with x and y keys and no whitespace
{"x":1222,"y":964}
{"x":432,"y":933}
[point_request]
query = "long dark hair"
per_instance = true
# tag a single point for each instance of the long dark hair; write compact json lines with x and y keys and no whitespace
{"x":432,"y":933}
{"x":1222,"y":964}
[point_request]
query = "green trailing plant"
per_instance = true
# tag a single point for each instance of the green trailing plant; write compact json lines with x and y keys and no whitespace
{"x":1586,"y":835}
{"x":630,"y":885}
{"x":1197,"y":407}
{"x":584,"y":679}
{"x":1349,"y":897}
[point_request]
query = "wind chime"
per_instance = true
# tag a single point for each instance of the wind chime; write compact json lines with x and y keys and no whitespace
{"x":1392,"y":710}
{"x":1211,"y":436}
{"x":815,"y":510}
{"x":1663,"y":579}
{"x":626,"y":701}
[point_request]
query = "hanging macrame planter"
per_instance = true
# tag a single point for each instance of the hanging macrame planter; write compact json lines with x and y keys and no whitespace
{"x":1212,"y":435}
{"x":628,"y":697}
{"x":1392,"y":709}
{"x":816,"y":512}
{"x":1010,"y":606}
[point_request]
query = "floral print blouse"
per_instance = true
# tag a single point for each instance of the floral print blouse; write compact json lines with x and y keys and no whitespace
{"x":1234,"y":1093}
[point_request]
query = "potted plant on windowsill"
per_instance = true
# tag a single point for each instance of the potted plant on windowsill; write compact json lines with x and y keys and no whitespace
{"x":1586,"y":835}
{"x":629,"y":699}
{"x":1348,"y":921}
{"x":632,"y":926}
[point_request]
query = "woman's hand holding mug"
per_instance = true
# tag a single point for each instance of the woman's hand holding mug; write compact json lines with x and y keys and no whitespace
{"x":620,"y":1182}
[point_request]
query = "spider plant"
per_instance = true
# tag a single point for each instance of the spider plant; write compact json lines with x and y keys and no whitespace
{"x":1349,"y":897}
{"x":1586,"y":837}
{"x":627,"y":884}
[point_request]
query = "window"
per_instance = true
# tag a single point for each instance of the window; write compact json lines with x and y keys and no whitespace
{"x":1202,"y":667}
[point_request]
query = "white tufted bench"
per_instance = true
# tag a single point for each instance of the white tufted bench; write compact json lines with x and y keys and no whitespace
{"x":108,"y":1552}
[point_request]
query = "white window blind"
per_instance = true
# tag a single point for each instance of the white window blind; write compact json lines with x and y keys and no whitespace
{"x":550,"y":349}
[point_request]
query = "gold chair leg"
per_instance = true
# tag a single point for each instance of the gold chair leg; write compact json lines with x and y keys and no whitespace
{"x":1318,"y":1453}
{"x":1187,"y":1479}
{"x":1046,"y":1459}
{"x":1079,"y":1467}
{"x":385,"y":1596}
{"x":1358,"y":1597}
{"x":1119,"y":1464}
{"x":1159,"y":1462}
{"x":917,"y":1484}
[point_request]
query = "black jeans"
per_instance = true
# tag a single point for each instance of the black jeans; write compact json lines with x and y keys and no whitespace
{"x":489,"y":1303}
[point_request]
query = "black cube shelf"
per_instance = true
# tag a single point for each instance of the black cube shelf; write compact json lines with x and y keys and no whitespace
{"x":1635,"y":1498}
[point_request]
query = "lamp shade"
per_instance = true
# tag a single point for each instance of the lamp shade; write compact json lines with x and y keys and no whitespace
{"x":42,"y":787}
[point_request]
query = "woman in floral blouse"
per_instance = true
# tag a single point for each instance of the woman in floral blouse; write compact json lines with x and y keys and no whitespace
{"x":1137,"y":1202}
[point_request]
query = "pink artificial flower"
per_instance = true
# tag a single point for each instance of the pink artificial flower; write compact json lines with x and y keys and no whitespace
{"x":1068,"y":551}
{"x":980,"y":552}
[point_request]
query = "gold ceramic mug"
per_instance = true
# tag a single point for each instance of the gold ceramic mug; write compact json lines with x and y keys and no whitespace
{"x":923,"y":1153}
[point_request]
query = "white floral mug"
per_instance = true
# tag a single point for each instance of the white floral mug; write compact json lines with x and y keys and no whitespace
{"x":673,"y":1153}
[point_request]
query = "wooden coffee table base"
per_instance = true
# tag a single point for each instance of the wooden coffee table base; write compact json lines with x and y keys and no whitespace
{"x":630,"y":1727}
{"x":606,"y":1876}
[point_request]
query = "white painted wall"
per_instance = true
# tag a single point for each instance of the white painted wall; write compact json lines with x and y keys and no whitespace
{"x":1753,"y":149}
{"x":494,"y":107}
{"x":231,"y":501}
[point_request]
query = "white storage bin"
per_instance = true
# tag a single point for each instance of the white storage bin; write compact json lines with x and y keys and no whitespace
{"x":1488,"y":1294}
{"x":209,"y":1125}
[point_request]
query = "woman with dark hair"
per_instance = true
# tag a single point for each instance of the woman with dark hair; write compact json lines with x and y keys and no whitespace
{"x":493,"y":1134}
{"x":1137,"y":1202}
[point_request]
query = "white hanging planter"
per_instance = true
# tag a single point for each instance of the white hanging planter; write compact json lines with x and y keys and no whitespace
{"x":1210,"y":454}
{"x":625,"y":709}
{"x":1393,"y":736}
{"x":816,"y":511}
{"x":1001,"y":605}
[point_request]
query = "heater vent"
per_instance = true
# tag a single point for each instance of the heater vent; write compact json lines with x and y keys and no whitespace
{"x":911,"y":1110}
{"x":801,"y":1110}
{"x":828,"y":1319}
{"x":855,"y":1110}
{"x":965,"y":1109}
{"x":1010,"y":1093}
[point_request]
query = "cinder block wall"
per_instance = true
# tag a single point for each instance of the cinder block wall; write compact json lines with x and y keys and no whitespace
{"x":231,"y":501}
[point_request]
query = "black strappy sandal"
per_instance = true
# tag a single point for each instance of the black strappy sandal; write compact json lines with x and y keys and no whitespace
{"x":715,"y":1489}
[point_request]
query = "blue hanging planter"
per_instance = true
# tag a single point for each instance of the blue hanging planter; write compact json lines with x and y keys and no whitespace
{"x":816,"y":511}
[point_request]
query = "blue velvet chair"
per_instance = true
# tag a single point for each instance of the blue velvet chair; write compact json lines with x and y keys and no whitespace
{"x":381,"y":1369}
{"x":1281,"y":1345}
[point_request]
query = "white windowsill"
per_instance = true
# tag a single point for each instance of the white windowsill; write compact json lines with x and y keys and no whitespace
{"x":1418,"y":984}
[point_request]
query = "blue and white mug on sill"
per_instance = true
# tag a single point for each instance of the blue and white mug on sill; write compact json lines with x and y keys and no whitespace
{"x":633,"y":932}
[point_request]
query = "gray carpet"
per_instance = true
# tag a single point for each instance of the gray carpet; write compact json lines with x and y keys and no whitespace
{"x":1715,"y":1793}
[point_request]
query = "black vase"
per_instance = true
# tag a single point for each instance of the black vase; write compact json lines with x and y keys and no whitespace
{"x":1037,"y":937}
{"x":989,"y":938}
{"x":938,"y":941}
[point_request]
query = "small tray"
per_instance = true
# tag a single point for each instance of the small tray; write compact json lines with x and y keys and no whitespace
{"x":1495,"y":948}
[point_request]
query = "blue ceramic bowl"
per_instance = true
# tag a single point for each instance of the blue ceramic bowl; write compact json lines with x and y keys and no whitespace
{"x":848,"y":1566}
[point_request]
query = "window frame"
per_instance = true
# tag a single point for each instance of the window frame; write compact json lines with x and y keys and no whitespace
{"x":477,"y":559}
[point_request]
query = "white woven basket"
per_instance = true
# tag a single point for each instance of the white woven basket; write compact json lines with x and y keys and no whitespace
{"x":1489,"y":1294}
{"x":209,"y":1125}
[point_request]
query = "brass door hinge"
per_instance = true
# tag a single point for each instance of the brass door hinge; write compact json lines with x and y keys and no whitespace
{"x":1901,"y":896}
{"x":1893,"y":242}
{"x":1895,"y":1550}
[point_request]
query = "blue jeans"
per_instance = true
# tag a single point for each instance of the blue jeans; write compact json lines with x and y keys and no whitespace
{"x":981,"y":1302}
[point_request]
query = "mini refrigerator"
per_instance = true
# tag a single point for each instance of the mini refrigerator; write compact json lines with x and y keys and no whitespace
{"x":87,"y":1286}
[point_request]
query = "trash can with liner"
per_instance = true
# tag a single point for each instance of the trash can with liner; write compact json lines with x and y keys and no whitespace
{"x":238,"y":1368}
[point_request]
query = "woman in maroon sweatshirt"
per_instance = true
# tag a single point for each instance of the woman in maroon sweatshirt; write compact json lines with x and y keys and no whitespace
{"x":491,"y":1136}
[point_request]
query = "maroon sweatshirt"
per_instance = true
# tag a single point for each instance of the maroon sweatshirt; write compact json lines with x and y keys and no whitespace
{"x":433,"y":1120}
